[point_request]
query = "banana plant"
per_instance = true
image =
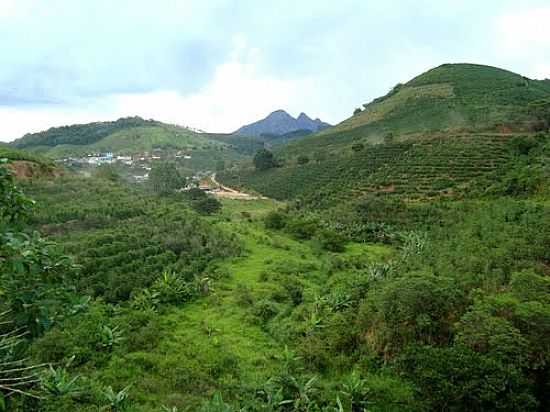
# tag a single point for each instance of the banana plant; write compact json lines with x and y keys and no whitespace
{"x":110,"y":337}
{"x":58,"y":382}
{"x":116,"y":401}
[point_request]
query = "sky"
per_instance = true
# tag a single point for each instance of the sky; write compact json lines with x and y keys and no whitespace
{"x":218,"y":64}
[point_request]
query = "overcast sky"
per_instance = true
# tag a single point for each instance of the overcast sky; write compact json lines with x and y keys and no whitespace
{"x":217,"y":64}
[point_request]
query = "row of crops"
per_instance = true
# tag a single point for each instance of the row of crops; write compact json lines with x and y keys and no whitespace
{"x":409,"y":169}
{"x":124,"y":239}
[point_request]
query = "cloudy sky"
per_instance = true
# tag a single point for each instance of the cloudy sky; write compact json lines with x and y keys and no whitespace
{"x":217,"y":64}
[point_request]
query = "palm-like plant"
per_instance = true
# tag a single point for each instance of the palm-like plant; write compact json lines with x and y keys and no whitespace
{"x":355,"y":390}
{"x":117,"y":401}
{"x":58,"y":382}
{"x":164,"y":408}
{"x":110,"y":337}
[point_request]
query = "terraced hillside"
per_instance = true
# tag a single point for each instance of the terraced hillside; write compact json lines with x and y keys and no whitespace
{"x":410,"y":169}
{"x":449,"y":99}
{"x":429,"y":137}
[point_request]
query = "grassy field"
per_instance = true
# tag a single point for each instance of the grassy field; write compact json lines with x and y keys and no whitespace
{"x":221,"y":332}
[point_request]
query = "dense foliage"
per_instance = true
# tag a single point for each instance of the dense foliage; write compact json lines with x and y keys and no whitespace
{"x":410,"y":275}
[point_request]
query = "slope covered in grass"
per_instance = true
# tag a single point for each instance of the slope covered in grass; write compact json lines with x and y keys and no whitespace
{"x":125,"y":136}
{"x":448,"y":100}
{"x":462,"y":97}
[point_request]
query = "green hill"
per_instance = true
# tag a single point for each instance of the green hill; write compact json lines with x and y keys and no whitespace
{"x":459,"y":97}
{"x":10,"y":153}
{"x":433,"y":136}
{"x":126,"y":135}
{"x":452,"y":98}
{"x":131,"y":135}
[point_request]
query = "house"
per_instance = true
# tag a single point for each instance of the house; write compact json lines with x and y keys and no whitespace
{"x":127,"y":160}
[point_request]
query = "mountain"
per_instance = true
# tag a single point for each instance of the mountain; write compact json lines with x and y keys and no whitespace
{"x":433,"y":136}
{"x":279,"y":123}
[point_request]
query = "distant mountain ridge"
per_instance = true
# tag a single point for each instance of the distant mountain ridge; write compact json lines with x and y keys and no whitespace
{"x":279,"y":123}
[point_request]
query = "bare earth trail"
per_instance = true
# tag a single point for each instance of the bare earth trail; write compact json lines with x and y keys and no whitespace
{"x":230,"y":193}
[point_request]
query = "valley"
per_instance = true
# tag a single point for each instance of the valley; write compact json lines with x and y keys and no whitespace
{"x":397,"y":261}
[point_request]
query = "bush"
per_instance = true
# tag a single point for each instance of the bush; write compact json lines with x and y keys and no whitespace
{"x":302,"y":160}
{"x":302,"y":229}
{"x":275,"y":220}
{"x":207,"y":206}
{"x":264,"y":160}
{"x":331,"y":240}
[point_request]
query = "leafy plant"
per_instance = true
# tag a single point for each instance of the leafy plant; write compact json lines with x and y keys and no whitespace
{"x":116,"y":401}
{"x":58,"y":382}
{"x":110,"y":337}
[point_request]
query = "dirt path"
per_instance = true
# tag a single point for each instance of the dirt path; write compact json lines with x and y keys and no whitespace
{"x":230,"y":193}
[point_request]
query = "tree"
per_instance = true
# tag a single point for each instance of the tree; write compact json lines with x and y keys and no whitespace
{"x":275,"y":220}
{"x":357,"y":111}
{"x":107,"y":172}
{"x":207,"y":206}
{"x":264,"y":160}
{"x":357,"y":147}
{"x":220,"y":165}
{"x":388,"y":138}
{"x":302,"y":160}
{"x":331,"y":240}
{"x":164,"y":178}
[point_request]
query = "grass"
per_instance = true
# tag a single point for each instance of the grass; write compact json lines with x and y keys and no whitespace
{"x":216,"y":343}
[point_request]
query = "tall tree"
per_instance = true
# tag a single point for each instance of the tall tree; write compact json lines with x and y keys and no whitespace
{"x":264,"y":160}
{"x":164,"y":178}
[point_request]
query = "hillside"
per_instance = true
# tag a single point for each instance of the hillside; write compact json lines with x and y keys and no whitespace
{"x":455,"y":97}
{"x":126,"y":135}
{"x":132,"y":136}
{"x":26,"y":165}
{"x":280,"y":123}
{"x":433,"y":136}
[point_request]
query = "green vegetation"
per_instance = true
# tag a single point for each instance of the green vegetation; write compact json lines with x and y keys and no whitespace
{"x":10,"y":153}
{"x":410,"y":275}
{"x":129,"y":136}
{"x":264,"y":160}
{"x":82,"y":134}
{"x":450,"y":97}
{"x":164,"y":178}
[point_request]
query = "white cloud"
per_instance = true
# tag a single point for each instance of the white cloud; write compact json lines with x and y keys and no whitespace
{"x":237,"y":94}
{"x":523,"y":35}
{"x":11,"y":8}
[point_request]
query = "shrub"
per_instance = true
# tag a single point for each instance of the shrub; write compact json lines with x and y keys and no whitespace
{"x":302,"y":160}
{"x":275,"y":220}
{"x":207,"y":206}
{"x":331,"y":240}
{"x":301,"y":228}
{"x":264,"y":160}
